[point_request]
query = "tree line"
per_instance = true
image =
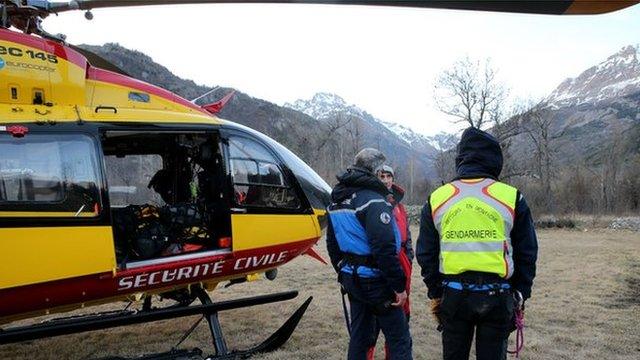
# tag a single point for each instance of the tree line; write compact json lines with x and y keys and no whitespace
{"x":534,"y":147}
{"x":542,"y":158}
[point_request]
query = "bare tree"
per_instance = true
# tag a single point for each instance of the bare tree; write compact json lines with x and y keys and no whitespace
{"x":333,"y":126}
{"x":630,"y":185}
{"x":411,"y":177}
{"x":331,"y":142}
{"x":537,"y":125}
{"x":355,"y":135}
{"x":614,"y":157}
{"x":470,"y":92}
{"x":507,"y":124}
{"x":444,"y":159}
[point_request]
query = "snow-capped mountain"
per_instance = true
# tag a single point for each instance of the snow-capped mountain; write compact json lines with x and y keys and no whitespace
{"x":404,"y":132}
{"x":442,"y":141}
{"x":414,"y":139}
{"x":404,"y":148}
{"x":323,"y":106}
{"x":616,"y":77}
{"x":588,"y":111}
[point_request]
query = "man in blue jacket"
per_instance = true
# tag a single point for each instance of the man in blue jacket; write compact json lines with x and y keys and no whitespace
{"x":477,"y":249}
{"x":363,"y":241}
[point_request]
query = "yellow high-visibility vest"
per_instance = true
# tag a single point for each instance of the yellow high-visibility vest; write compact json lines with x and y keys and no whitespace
{"x":474,"y":219}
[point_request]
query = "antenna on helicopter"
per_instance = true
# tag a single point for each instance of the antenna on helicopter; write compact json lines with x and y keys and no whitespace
{"x":205,"y":94}
{"x":217,"y":106}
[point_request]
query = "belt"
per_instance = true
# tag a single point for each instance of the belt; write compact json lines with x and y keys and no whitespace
{"x":476,"y":287}
{"x":359,"y":260}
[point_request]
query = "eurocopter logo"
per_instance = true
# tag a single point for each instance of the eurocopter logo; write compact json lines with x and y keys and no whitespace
{"x":1,"y":63}
{"x":27,"y":66}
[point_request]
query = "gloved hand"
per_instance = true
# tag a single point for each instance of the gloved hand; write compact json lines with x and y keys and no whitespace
{"x":518,"y":300}
{"x":434,"y":309}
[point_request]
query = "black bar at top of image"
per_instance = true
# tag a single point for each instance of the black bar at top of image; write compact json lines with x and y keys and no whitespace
{"x":522,"y":6}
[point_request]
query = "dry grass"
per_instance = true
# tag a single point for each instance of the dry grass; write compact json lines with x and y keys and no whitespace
{"x":586,"y":305}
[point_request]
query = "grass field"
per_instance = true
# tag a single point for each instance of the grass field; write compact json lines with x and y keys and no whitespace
{"x":585,"y":305}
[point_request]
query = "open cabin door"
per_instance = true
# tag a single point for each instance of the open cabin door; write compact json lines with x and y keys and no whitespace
{"x":271,"y":221}
{"x":166,"y":196}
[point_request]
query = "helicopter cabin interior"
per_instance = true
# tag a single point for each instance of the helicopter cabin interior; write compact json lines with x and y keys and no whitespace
{"x":170,"y":193}
{"x":166,"y":194}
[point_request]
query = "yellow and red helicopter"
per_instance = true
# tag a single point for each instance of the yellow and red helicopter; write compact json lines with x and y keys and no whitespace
{"x":114,"y":189}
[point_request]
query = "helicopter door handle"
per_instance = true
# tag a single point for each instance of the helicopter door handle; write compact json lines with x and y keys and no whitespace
{"x":111,"y":108}
{"x":239,"y":210}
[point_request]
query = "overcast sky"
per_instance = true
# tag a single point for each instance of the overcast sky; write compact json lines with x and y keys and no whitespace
{"x":381,"y":59}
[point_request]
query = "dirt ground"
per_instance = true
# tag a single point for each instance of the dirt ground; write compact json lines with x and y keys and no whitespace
{"x":585,"y":305}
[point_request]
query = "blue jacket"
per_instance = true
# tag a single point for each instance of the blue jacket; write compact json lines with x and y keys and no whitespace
{"x":361,"y":222}
{"x":480,"y":156}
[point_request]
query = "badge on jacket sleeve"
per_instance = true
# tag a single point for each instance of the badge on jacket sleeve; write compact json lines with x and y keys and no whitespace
{"x":385,"y":218}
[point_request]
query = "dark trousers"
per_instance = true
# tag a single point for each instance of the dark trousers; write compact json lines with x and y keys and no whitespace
{"x":367,"y":298}
{"x":374,"y":339}
{"x":489,"y":315}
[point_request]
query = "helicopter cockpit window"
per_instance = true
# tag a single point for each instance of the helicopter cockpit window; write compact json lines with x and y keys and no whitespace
{"x":49,"y":175}
{"x":258,"y":179}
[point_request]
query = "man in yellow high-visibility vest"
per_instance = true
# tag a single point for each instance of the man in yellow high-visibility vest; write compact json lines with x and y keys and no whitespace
{"x":477,"y":249}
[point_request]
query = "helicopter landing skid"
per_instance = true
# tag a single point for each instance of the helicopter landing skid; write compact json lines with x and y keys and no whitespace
{"x":208,"y":309}
{"x":272,"y":343}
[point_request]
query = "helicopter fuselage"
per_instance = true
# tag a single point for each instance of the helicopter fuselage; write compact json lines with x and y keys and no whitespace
{"x":83,"y":217}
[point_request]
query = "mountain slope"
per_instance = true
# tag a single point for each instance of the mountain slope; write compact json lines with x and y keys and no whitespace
{"x":598,"y":108}
{"x":611,"y":80}
{"x":142,"y":67}
{"x":410,"y":153}
{"x":326,"y":107}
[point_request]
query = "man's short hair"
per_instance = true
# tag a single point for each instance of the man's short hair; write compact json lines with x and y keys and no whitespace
{"x":370,"y":159}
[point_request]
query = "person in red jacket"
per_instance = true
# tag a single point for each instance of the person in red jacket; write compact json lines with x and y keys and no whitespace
{"x":396,"y":193}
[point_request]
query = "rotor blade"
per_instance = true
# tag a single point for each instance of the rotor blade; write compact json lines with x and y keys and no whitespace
{"x":558,"y":7}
